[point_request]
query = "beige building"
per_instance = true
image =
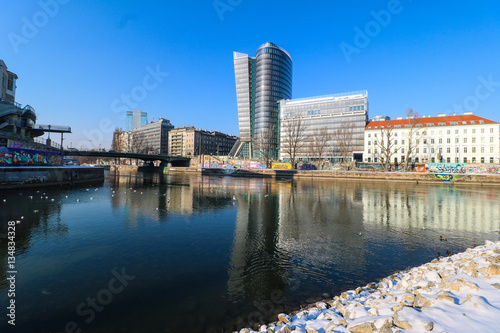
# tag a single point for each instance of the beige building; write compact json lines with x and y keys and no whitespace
{"x":191,"y":141}
{"x":7,"y":83}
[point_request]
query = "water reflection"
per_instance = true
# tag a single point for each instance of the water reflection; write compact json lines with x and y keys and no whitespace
{"x":218,"y":253}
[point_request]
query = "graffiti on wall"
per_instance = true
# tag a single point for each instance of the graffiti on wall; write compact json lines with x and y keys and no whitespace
{"x":462,"y":168}
{"x":21,"y":157}
{"x":282,"y":166}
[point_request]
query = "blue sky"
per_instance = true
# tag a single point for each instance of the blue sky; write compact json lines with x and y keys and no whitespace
{"x":80,"y":58}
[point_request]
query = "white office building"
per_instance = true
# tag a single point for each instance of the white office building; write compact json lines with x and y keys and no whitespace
{"x":443,"y":139}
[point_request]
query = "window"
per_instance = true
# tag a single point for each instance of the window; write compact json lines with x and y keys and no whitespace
{"x":448,"y":140}
{"x":465,"y":159}
{"x":465,"y":131}
{"x":395,"y":142}
{"x":456,"y":160}
{"x":465,"y":140}
{"x":425,"y":150}
{"x":465,"y":149}
{"x":417,"y":150}
{"x":369,"y":151}
{"x":369,"y":135}
{"x":432,"y":150}
{"x":369,"y":143}
{"x":482,"y":159}
{"x":491,"y":139}
{"x":482,"y":130}
{"x":491,"y":130}
{"x":482,"y":149}
{"x":473,"y":130}
{"x":473,"y":149}
{"x":425,"y":141}
{"x":432,"y":141}
{"x":448,"y":132}
{"x":491,"y":149}
{"x":448,"y":150}
{"x":492,"y":160}
{"x":440,"y":140}
{"x":402,"y":150}
{"x":458,"y":150}
{"x":456,"y":140}
{"x":474,"y":160}
{"x":474,"y":140}
{"x":456,"y":131}
{"x":482,"y":139}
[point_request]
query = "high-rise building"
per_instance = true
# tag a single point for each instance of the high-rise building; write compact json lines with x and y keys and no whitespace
{"x":135,"y":119}
{"x":324,"y":115}
{"x":260,"y":83}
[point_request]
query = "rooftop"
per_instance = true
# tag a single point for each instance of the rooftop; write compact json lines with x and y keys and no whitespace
{"x":467,"y":119}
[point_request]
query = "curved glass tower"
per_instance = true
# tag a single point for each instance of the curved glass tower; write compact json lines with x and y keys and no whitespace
{"x":273,"y":83}
{"x":260,"y":83}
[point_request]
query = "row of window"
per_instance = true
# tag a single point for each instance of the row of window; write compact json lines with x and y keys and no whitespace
{"x":434,"y":160}
{"x":356,"y":108}
{"x":473,"y":131}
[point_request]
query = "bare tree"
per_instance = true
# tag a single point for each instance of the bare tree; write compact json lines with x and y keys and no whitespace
{"x":118,"y":140}
{"x":265,"y":144}
{"x":138,"y":143}
{"x":293,"y":138}
{"x":319,"y":142}
{"x":411,"y":135}
{"x":343,"y":138}
{"x":386,"y":143}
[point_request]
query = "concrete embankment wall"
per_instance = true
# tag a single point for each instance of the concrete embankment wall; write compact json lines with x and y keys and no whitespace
{"x":19,"y":177}
{"x":350,"y":175}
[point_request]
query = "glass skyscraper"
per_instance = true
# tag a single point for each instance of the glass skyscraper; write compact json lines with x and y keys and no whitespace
{"x":135,"y":119}
{"x":260,"y":83}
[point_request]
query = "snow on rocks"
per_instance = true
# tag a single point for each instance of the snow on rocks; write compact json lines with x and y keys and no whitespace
{"x":460,"y":293}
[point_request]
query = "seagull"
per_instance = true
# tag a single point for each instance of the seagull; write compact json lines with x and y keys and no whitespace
{"x":423,"y":228}
{"x":234,"y":198}
{"x":77,"y":200}
{"x":90,"y":198}
{"x":86,"y":189}
{"x":66,"y":196}
{"x":31,"y":197}
{"x":360,"y":234}
{"x":22,"y":217}
{"x":266,"y":195}
{"x":441,"y":238}
{"x":4,"y":200}
{"x":36,"y":211}
{"x":51,"y":199}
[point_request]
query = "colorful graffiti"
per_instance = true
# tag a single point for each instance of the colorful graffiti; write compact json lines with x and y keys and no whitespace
{"x":451,"y":168}
{"x":462,"y":168}
{"x":448,"y":177}
{"x":22,"y":157}
{"x":282,"y":166}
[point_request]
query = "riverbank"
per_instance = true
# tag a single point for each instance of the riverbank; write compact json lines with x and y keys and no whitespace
{"x":35,"y":176}
{"x":460,"y":293}
{"x":411,"y":177}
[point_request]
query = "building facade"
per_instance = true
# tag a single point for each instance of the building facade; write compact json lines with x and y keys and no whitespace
{"x":260,"y":83}
{"x":135,"y":119}
{"x":152,"y":137}
{"x":191,"y":141}
{"x":443,"y":139}
{"x":7,"y":83}
{"x":327,"y":114}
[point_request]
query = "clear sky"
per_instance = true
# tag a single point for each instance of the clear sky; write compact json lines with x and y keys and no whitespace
{"x":83,"y":63}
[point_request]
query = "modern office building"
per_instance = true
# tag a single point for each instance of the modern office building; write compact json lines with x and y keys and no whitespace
{"x":191,"y":141}
{"x":446,"y":139}
{"x":260,"y":83}
{"x":152,"y":137}
{"x":326,"y":113}
{"x":7,"y":83}
{"x":135,"y":119}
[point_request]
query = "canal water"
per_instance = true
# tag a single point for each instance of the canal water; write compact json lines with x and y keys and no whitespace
{"x":189,"y":253}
